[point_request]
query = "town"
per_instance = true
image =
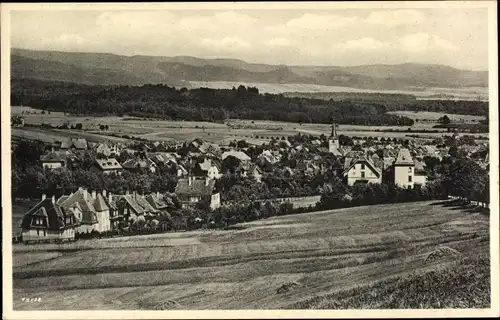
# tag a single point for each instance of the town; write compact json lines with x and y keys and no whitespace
{"x":150,"y":187}
{"x":250,"y":157}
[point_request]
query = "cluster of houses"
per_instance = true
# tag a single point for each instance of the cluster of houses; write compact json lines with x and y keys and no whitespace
{"x":84,"y":212}
{"x":200,"y":167}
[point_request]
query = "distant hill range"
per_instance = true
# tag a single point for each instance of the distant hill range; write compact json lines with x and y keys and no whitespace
{"x":111,"y":69}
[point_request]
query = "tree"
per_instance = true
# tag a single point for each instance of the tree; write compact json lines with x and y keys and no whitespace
{"x":242,"y":144}
{"x":444,"y":120}
{"x":230,"y":163}
{"x":463,"y":178}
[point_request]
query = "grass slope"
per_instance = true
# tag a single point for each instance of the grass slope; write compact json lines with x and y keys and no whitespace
{"x":311,"y":256}
{"x":468,"y":279}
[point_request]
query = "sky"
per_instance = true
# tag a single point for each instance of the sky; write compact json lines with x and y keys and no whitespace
{"x":451,"y":36}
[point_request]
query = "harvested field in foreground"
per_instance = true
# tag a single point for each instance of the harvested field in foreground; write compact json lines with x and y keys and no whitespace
{"x":469,"y":278}
{"x":296,"y":261}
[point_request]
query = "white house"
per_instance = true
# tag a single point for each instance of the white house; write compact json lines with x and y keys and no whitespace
{"x":404,"y":169}
{"x":361,"y":170}
{"x":90,"y":209}
{"x":52,"y":160}
{"x":209,"y":169}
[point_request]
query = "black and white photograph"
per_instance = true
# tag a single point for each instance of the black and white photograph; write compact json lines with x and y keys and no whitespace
{"x":293,"y":157}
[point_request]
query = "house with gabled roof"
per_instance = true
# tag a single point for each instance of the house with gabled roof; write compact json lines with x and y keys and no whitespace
{"x":106,"y":166}
{"x":130,"y":208}
{"x":52,"y":160}
{"x":157,"y":202}
{"x":360,"y":169}
{"x":164,"y":158}
{"x":240,"y":155}
{"x":160,"y":146}
{"x":254,"y":172}
{"x":75,"y":144}
{"x":108,"y":150}
{"x":46,"y":221}
{"x":58,"y":159}
{"x":139,"y":164}
{"x":208,"y":168}
{"x":191,"y":192}
{"x":404,"y":169}
{"x":93,"y":212}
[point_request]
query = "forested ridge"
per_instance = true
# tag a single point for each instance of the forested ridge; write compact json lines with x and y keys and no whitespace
{"x":203,"y":104}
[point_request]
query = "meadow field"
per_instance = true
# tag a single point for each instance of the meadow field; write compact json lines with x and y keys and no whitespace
{"x":257,"y":132}
{"x":425,"y":254}
{"x":434,"y":116}
{"x":471,"y":93}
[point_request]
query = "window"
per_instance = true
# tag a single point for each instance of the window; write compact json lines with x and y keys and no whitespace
{"x":409,"y":178}
{"x":362,"y":174}
{"x":44,"y":232}
{"x":362,"y":166}
{"x":37,"y":232}
{"x":409,"y":170}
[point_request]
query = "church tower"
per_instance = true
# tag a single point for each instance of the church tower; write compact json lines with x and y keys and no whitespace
{"x":333,"y":140}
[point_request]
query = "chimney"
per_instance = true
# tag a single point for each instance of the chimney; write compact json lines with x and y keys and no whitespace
{"x":109,"y":197}
{"x":85,"y":194}
{"x":157,"y":194}
{"x":53,"y":199}
{"x":135,"y":194}
{"x":207,"y":180}
{"x":94,"y":194}
{"x":190,"y":181}
{"x":104,"y":192}
{"x":44,"y":196}
{"x":126,"y":192}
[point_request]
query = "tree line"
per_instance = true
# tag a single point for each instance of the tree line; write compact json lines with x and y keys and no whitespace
{"x":202,"y":104}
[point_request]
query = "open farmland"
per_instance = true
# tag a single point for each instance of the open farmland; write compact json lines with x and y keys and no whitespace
{"x":434,"y":116}
{"x":256,"y":132}
{"x":305,"y":260}
{"x":471,"y":93}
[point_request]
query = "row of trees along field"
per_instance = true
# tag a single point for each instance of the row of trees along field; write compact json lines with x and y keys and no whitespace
{"x":201,"y":104}
{"x":404,"y":102}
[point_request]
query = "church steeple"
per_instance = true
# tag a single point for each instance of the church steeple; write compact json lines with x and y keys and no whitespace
{"x":334,"y":129}
{"x":333,"y":140}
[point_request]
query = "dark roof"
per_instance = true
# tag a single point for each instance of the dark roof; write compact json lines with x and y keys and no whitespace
{"x":52,"y":157}
{"x":404,"y":158}
{"x":100,"y":203}
{"x":237,"y":154}
{"x":108,"y":164}
{"x":55,"y":215}
{"x":155,"y":201}
{"x":85,"y":201}
{"x":350,"y":162}
{"x":79,"y":143}
{"x":141,"y":200}
{"x":130,"y":199}
{"x":253,"y":167}
{"x":135,"y":163}
{"x":196,"y":188}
